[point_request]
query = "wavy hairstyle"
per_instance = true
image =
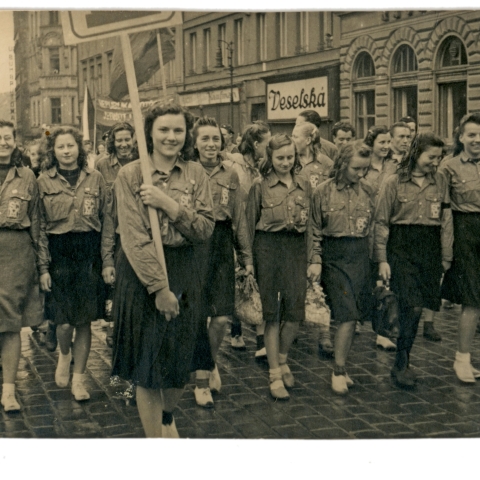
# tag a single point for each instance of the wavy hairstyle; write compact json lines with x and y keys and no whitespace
{"x":311,"y":116}
{"x":118,"y":127}
{"x":420,"y":144}
{"x":345,"y":156}
{"x":47,"y":149}
{"x":253,"y":133}
{"x":205,"y":122}
{"x":276,"y":143}
{"x":160,"y":109}
{"x":469,"y":118}
{"x":309,"y":130}
{"x":344,"y":126}
{"x":373,"y":132}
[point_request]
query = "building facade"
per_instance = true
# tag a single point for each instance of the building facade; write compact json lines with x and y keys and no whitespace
{"x":422,"y":64}
{"x":46,"y":74}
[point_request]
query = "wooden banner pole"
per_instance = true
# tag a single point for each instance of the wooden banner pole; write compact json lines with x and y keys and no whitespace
{"x":142,"y":144}
{"x":162,"y":70}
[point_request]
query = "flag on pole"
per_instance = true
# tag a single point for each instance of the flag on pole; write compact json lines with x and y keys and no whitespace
{"x":145,"y":53}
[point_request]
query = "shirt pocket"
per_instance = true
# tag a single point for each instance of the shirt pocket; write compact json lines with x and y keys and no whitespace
{"x":301,"y":210}
{"x":363,"y":218}
{"x":335,"y":218}
{"x":434,"y":206}
{"x":182,"y":192}
{"x":17,"y":207}
{"x":273,"y":211}
{"x":408,"y":207}
{"x":57,"y":205}
{"x":224,"y":192}
{"x":468,"y":189}
{"x":90,"y":202}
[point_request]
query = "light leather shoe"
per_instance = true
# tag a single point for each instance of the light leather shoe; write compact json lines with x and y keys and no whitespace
{"x":62,"y":372}
{"x":203,"y":397}
{"x":385,"y":343}
{"x":348,"y":380}
{"x":215,"y":382}
{"x":278,"y":390}
{"x":287,"y":376}
{"x":10,"y":403}
{"x":476,"y":373}
{"x":80,"y":392}
{"x":464,"y":372}
{"x":339,"y":384}
{"x":261,"y":354}
{"x":238,"y":343}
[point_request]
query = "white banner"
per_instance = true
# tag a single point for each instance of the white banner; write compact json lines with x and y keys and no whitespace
{"x":287,"y":99}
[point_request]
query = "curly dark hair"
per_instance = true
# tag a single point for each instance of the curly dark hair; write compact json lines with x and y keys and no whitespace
{"x":118,"y":127}
{"x":345,"y":155}
{"x":47,"y":149}
{"x":344,"y":126}
{"x":276,"y":142}
{"x":420,"y":144}
{"x":16,"y":159}
{"x":469,"y":118}
{"x":205,"y":122}
{"x":373,"y":132}
{"x":160,"y":109}
{"x":253,"y":133}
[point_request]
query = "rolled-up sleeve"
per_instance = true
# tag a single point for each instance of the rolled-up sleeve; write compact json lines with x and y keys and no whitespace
{"x":137,"y":242}
{"x":196,"y":223}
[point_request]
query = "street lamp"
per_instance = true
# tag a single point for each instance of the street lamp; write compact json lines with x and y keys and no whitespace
{"x":219,"y":64}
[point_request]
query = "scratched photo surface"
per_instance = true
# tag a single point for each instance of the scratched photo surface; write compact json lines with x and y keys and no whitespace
{"x":364,"y":69}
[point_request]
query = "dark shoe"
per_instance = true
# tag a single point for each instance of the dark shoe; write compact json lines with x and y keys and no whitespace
{"x":404,"y":378}
{"x":51,"y":337}
{"x":430,"y":333}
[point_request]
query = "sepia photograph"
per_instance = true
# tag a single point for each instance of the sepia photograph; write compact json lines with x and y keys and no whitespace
{"x":240,"y":225}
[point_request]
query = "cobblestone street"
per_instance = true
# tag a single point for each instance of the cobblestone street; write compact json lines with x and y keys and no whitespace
{"x":439,"y":406}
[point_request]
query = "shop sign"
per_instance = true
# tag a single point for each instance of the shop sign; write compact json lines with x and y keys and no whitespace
{"x":209,"y":98}
{"x":287,"y":99}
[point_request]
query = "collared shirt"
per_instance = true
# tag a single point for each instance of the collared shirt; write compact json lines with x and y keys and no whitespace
{"x":274,"y":207}
{"x":245,"y":168}
{"x":403,"y":202}
{"x":340,"y":210}
{"x":376,"y":177}
{"x":329,"y":149}
{"x":108,"y":167}
{"x":463,"y":175}
{"x":228,"y":204}
{"x":19,"y":202}
{"x":317,"y":170}
{"x":187,"y":183}
{"x":69,"y":209}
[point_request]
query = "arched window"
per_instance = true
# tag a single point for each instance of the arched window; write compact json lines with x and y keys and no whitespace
{"x":404,"y":83}
{"x":364,"y":93}
{"x":451,"y":76}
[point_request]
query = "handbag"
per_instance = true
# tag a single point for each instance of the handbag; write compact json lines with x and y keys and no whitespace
{"x":316,"y":309}
{"x":248,"y":305}
{"x":385,"y":316}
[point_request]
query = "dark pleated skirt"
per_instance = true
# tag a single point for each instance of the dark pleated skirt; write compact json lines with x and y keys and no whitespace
{"x":346,"y":277}
{"x":280,"y":260}
{"x":21,"y":303}
{"x":414,"y":253}
{"x":462,"y":282}
{"x":149,"y":350}
{"x":218,"y":272}
{"x":76,"y":273}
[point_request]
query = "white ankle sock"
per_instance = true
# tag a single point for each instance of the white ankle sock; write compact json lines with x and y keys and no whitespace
{"x":462,"y":357}
{"x":8,"y":388}
{"x":78,"y":378}
{"x":275,"y":374}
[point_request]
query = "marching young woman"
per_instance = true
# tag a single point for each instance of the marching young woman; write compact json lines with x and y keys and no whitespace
{"x":462,"y":282}
{"x":413,"y":241}
{"x":316,"y":168}
{"x":155,"y":326}
{"x":277,"y":214}
{"x":230,"y":230}
{"x":20,"y":298}
{"x":120,"y":151}
{"x":252,"y":150}
{"x":342,"y":213}
{"x":378,"y":139}
{"x":73,"y":205}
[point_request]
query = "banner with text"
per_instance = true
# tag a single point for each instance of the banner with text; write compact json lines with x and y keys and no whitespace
{"x":110,"y":112}
{"x":286,"y":100}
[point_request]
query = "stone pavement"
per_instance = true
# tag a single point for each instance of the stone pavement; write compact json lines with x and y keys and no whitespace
{"x":440,"y":406}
